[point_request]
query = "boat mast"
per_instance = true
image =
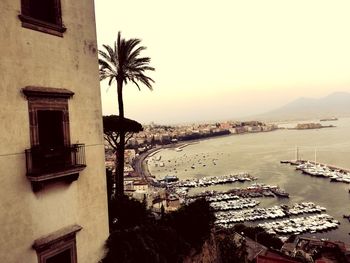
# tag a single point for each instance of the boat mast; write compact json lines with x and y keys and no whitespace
{"x":297,"y":153}
{"x":315,"y":157}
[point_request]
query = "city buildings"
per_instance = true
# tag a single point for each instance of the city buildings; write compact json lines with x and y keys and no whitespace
{"x":53,"y":199}
{"x":161,"y":134}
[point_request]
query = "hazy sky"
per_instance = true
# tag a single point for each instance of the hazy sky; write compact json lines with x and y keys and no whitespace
{"x":225,"y":59}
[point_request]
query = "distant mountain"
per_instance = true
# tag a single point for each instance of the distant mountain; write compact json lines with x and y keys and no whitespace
{"x":336,"y":104}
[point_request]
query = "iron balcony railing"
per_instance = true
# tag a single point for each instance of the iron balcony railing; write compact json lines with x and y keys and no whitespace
{"x":41,"y":160}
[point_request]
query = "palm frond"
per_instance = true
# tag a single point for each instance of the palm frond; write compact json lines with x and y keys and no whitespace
{"x":111,"y":53}
{"x":145,"y":80}
{"x":123,"y":62}
{"x":137,"y":85}
{"x":111,"y":78}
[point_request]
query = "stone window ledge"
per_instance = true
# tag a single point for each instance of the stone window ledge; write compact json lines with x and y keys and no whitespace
{"x":36,"y":91}
{"x":42,"y":26}
{"x":60,"y":236}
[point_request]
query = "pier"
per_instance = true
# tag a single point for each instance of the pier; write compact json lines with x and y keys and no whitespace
{"x":334,"y":173}
{"x":253,"y":191}
{"x":330,"y":166}
{"x":209,"y":180}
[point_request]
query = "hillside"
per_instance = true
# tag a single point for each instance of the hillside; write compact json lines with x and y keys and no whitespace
{"x":336,"y":104}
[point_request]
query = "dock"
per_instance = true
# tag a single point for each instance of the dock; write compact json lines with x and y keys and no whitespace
{"x":330,"y":166}
{"x":292,"y":162}
{"x":313,"y":168}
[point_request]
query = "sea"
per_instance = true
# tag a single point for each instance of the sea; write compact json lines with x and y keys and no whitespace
{"x":260,"y":154}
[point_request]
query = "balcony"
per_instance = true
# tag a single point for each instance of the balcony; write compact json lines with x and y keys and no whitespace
{"x":46,"y":165}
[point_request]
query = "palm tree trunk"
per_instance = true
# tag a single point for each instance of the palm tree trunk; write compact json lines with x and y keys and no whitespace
{"x":121,"y":148}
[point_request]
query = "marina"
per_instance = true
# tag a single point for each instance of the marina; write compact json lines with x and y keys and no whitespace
{"x":274,"y":212}
{"x":259,"y":155}
{"x":207,"y":181}
{"x":293,"y":225}
{"x":299,"y":225}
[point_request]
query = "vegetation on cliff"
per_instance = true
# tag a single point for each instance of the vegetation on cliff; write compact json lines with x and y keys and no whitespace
{"x":186,"y":235}
{"x":137,"y":237}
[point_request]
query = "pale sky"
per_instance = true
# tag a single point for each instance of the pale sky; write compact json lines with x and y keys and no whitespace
{"x":219,"y":60}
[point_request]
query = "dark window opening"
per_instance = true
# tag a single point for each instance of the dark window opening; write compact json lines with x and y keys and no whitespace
{"x":50,"y":125}
{"x":63,"y":257}
{"x":43,"y":10}
{"x":42,"y":15}
{"x":51,"y":153}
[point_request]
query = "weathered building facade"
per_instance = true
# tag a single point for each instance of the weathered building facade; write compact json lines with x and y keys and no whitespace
{"x":53,"y":199}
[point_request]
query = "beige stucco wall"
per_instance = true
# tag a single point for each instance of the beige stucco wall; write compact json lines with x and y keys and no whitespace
{"x":30,"y":57}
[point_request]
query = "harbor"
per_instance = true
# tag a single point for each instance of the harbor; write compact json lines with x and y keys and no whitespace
{"x":260,"y":155}
{"x":240,"y":205}
{"x":305,"y":224}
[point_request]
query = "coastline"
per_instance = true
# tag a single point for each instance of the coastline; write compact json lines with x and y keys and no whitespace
{"x":141,"y":165}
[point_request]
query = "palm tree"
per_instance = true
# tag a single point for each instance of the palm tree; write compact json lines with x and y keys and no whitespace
{"x":122,"y":63}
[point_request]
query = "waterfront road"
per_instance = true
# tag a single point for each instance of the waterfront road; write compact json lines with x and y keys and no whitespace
{"x":141,"y":167}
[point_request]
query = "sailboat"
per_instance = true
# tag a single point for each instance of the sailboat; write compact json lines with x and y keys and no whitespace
{"x":317,"y":169}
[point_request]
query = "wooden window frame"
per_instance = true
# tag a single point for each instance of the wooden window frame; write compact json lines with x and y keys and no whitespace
{"x":57,"y":242}
{"x":44,"y":98}
{"x":30,"y":22}
{"x":47,"y":104}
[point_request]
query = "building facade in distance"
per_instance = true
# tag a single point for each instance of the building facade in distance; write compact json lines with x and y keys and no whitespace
{"x":53,"y":199}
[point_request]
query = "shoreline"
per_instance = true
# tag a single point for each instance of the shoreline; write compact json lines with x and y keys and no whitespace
{"x":322,"y":127}
{"x":142,"y":167}
{"x":141,"y":164}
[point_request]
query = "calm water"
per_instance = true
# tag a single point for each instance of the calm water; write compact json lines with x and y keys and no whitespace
{"x":260,"y":153}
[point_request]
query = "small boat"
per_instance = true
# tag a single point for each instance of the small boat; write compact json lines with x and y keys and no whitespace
{"x":330,"y":119}
{"x":171,"y":178}
{"x":280,"y":193}
{"x":284,"y":161}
